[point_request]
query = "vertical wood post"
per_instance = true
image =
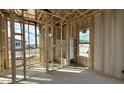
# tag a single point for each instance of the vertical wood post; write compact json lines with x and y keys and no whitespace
{"x":41,"y":44}
{"x":13,"y":62}
{"x":24,"y":54}
{"x":45,"y":47}
{"x":61,"y":46}
{"x":92,"y":45}
{"x":68,"y":45}
{"x":52,"y":44}
{"x":0,"y":43}
{"x":6,"y":44}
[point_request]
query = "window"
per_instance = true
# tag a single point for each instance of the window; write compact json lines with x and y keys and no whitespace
{"x":17,"y":27}
{"x":26,"y":36}
{"x":37,"y":36}
{"x":84,"y":42}
{"x":9,"y":35}
{"x":84,"y":35}
{"x":16,"y":44}
{"x":32,"y":36}
{"x":84,"y":50}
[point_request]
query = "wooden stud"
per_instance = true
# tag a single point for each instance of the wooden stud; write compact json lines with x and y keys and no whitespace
{"x":0,"y":44}
{"x":3,"y":45}
{"x":52,"y":45}
{"x":24,"y":54}
{"x":68,"y":45}
{"x":61,"y":45}
{"x":29,"y":42}
{"x":77,"y":33}
{"x":75,"y":43}
{"x":45,"y":53}
{"x":45,"y":46}
{"x":6,"y":59}
{"x":41,"y":44}
{"x":13,"y":62}
{"x":91,"y":65}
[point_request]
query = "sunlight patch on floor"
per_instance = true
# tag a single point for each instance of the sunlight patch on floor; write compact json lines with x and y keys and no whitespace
{"x":38,"y":69}
{"x":17,"y":76}
{"x":40,"y":79}
{"x":71,"y":70}
{"x":27,"y":82}
{"x":5,"y":80}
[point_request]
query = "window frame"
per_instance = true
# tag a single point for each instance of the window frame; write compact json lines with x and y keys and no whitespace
{"x":84,"y":42}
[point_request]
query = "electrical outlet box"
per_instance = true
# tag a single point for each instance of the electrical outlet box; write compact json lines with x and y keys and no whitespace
{"x":123,"y":71}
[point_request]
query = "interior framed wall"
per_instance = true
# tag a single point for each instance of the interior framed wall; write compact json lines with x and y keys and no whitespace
{"x":75,"y":29}
{"x":4,"y":62}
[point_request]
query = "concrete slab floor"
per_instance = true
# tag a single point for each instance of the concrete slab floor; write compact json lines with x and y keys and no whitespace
{"x":70,"y":75}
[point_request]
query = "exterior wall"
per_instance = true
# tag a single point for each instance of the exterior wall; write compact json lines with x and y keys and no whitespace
{"x":119,"y":36}
{"x":97,"y":64}
{"x":108,"y":43}
{"x":107,"y":40}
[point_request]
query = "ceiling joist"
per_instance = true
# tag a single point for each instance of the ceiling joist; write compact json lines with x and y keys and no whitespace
{"x":56,"y":16}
